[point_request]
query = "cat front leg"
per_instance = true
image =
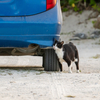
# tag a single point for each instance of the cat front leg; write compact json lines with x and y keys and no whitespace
{"x":64,"y":65}
{"x":60,"y":66}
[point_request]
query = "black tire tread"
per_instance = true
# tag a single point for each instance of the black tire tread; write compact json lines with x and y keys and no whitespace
{"x":50,"y":60}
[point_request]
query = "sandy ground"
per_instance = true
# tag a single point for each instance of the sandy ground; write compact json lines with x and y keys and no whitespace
{"x":36,"y":84}
{"x":39,"y":85}
{"x":77,"y":23}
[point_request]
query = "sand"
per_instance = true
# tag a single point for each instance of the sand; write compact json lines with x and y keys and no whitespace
{"x":36,"y":84}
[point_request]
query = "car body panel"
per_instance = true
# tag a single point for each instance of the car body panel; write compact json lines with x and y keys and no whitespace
{"x":21,"y":7}
{"x":40,"y":29}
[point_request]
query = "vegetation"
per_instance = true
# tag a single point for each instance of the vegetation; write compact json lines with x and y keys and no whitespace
{"x":80,"y":5}
{"x":97,"y":56}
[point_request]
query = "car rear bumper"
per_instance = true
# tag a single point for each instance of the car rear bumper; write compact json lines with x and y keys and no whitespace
{"x":24,"y":41}
{"x":40,"y":29}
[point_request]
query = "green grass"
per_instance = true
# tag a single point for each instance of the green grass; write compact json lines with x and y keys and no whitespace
{"x":80,"y":12}
{"x":93,"y":22}
{"x":96,"y":57}
{"x":64,"y":9}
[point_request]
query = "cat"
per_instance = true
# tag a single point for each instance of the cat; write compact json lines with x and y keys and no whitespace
{"x":66,"y":53}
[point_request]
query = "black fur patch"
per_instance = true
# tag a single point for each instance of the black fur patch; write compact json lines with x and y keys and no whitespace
{"x":70,"y":53}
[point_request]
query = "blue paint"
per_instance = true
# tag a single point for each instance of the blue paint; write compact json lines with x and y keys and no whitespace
{"x":21,"y":7}
{"x":40,"y":29}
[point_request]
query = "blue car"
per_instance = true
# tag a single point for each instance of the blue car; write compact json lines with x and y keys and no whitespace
{"x":30,"y":27}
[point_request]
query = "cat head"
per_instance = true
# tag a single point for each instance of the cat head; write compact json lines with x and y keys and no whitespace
{"x":58,"y":45}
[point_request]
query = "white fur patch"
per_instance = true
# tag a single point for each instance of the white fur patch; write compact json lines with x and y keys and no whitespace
{"x":64,"y":66}
{"x":69,"y":69}
{"x":59,"y":52}
{"x":76,"y":60}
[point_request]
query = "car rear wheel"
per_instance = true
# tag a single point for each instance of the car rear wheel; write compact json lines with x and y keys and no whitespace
{"x":50,"y":60}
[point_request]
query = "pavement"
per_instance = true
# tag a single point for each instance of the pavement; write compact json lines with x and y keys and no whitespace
{"x":20,"y":61}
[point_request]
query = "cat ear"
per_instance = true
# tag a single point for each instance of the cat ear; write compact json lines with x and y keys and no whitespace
{"x":62,"y":42}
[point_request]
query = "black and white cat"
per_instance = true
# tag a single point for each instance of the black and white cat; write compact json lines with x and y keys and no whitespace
{"x":66,"y":53}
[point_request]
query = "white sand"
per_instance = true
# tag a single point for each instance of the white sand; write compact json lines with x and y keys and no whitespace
{"x":33,"y":84}
{"x":71,"y":23}
{"x":29,"y":84}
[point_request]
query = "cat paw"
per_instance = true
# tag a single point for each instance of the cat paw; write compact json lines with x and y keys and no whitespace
{"x":77,"y":71}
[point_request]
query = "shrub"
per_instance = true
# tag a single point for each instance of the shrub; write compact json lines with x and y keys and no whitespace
{"x":79,"y":5}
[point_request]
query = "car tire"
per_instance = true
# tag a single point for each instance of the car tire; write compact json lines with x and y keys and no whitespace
{"x":50,"y":60}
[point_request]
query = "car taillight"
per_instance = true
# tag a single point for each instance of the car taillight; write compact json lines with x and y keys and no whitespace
{"x":50,"y":4}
